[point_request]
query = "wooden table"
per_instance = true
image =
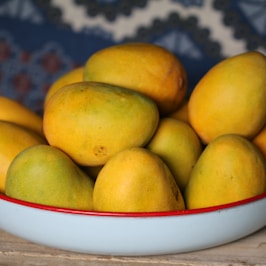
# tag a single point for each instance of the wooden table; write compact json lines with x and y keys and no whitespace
{"x":247,"y":251}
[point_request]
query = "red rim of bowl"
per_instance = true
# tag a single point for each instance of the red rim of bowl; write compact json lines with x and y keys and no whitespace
{"x":133,"y":214}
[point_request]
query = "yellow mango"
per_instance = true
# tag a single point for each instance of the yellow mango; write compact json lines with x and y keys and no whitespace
{"x":230,"y":169}
{"x":230,"y":98}
{"x":74,"y":75}
{"x":136,"y":180}
{"x":45,"y":175}
{"x":13,"y":139}
{"x":260,"y":141}
{"x":13,"y":111}
{"x":92,"y":121}
{"x":181,"y":113}
{"x":146,"y":68}
{"x":179,"y":146}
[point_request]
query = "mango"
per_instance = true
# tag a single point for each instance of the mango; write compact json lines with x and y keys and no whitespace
{"x":45,"y":175}
{"x":13,"y":111}
{"x":230,"y":98}
{"x":147,"y":68}
{"x":72,"y":76}
{"x":92,"y":121}
{"x":230,"y":169}
{"x":260,"y":141}
{"x":179,"y":146}
{"x":181,"y":113}
{"x":13,"y":139}
{"x":136,"y":180}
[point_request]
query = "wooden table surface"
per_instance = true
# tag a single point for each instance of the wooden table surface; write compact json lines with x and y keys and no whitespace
{"x":250,"y":250}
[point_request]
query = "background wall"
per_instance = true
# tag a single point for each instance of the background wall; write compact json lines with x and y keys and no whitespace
{"x":40,"y":39}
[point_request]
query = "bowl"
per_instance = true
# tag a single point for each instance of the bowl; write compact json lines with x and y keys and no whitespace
{"x":132,"y":234}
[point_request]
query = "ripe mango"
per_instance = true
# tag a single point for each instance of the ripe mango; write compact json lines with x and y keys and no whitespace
{"x":144,"y":67}
{"x":181,"y":113}
{"x":230,"y":98}
{"x":45,"y":175}
{"x":13,"y":139}
{"x":74,"y":75}
{"x":92,"y":121}
{"x":136,"y":180}
{"x":178,"y":145}
{"x":13,"y":111}
{"x":230,"y":169}
{"x":260,"y":141}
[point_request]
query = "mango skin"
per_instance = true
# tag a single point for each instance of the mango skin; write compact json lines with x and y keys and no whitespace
{"x":45,"y":175}
{"x":181,"y":113}
{"x":260,"y":141}
{"x":13,"y":111}
{"x":136,"y":180}
{"x":74,"y":75}
{"x":92,"y":121}
{"x":143,"y":67}
{"x":230,"y":169}
{"x":230,"y":98}
{"x":13,"y":139}
{"x":178,"y":145}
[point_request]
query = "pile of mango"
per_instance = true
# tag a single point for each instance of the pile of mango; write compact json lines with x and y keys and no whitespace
{"x":119,"y":135}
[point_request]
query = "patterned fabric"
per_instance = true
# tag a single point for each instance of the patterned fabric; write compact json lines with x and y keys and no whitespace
{"x":42,"y":39}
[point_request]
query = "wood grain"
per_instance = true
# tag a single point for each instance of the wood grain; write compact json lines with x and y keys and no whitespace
{"x":247,"y":251}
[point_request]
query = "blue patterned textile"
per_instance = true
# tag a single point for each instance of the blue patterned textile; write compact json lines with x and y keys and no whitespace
{"x":42,"y":39}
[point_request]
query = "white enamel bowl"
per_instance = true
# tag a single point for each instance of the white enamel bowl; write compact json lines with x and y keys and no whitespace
{"x":132,"y":234}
